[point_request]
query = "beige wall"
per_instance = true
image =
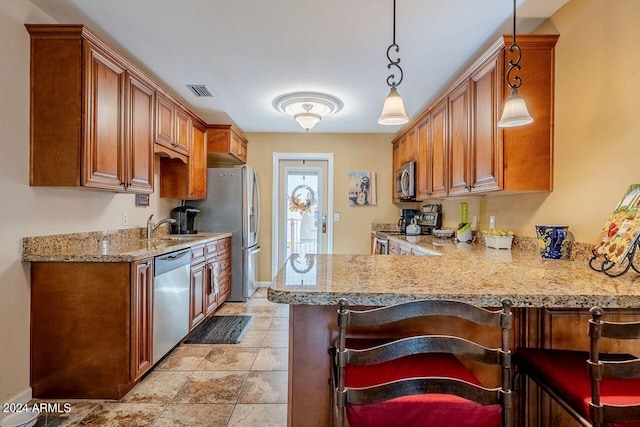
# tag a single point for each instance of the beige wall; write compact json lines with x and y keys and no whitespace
{"x":597,"y":130}
{"x":32,"y":211}
{"x":352,"y":152}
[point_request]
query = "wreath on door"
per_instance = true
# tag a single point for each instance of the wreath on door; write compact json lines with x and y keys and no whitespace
{"x":302,"y":199}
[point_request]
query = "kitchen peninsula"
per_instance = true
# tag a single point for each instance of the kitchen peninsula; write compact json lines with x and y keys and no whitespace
{"x":313,"y":284}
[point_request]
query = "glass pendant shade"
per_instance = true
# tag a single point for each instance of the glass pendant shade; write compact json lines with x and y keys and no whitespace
{"x":515,"y":112}
{"x":307,"y":120}
{"x":393,"y":112}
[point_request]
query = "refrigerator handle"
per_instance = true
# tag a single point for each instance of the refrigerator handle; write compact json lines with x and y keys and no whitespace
{"x":255,"y":250}
{"x":256,"y":192}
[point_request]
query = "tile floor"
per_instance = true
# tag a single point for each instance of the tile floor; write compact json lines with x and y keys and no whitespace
{"x":239,"y":385}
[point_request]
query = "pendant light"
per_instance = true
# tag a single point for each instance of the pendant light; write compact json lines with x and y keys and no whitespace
{"x":515,"y":111}
{"x":393,"y":112}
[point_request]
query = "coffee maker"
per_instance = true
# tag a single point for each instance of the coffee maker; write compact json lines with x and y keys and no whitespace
{"x":405,"y":218}
{"x":430,"y":218}
{"x":186,"y":220}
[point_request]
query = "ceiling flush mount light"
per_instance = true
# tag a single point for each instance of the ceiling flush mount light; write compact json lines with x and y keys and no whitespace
{"x":515,"y":111}
{"x":393,"y":112}
{"x":307,"y":108}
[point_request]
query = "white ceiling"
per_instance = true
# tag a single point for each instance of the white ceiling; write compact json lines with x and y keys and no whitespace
{"x":248,"y":52}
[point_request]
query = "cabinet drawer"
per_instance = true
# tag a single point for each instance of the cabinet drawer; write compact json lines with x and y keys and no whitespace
{"x":197,"y":254}
{"x":212,"y":248}
{"x":225,"y":285}
{"x":224,"y":245}
{"x":225,"y":264}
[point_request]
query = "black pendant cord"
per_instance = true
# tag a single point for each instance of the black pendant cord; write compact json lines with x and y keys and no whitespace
{"x":514,"y":65}
{"x":394,"y":63}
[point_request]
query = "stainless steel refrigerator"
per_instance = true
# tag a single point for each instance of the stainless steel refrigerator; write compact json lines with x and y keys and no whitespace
{"x":233,"y":205}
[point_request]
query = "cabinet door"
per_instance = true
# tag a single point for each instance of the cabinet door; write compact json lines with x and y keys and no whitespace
{"x":197,"y":166}
{"x":165,"y":121}
{"x":438,"y":150}
{"x":459,"y":141}
{"x":183,"y":132}
{"x":141,"y":318}
{"x":104,"y":112}
{"x":212,"y":285}
{"x":139,"y":135}
{"x":396,"y":166}
{"x":423,"y":162}
{"x":485,"y":153}
{"x":197,"y":309}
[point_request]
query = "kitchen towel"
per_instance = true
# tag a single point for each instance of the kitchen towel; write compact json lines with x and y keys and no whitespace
{"x":220,"y":330}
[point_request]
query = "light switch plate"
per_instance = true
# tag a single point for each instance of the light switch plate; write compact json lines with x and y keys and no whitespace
{"x":336,"y":216}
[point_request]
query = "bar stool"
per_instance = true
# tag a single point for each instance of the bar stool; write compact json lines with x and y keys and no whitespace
{"x":418,"y":380}
{"x":597,"y":389}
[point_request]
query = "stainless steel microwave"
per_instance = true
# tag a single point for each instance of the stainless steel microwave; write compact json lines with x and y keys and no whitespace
{"x":405,"y":179}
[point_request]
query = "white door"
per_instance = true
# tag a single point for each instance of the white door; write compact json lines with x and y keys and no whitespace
{"x":302,"y":208}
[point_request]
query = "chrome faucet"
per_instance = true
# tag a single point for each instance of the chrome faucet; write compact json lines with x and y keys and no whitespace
{"x":151,"y":226}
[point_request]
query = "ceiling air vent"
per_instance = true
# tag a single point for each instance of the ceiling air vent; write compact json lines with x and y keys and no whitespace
{"x":200,"y":90}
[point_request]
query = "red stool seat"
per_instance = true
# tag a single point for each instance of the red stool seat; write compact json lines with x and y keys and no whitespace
{"x":567,"y":373}
{"x":419,"y":410}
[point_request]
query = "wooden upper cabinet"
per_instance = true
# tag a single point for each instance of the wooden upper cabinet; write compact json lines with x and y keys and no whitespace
{"x":183,"y":131}
{"x":88,"y":126}
{"x":527,"y":163}
{"x":423,"y":161}
{"x":438,"y":150}
{"x":140,"y":99}
{"x":467,"y":153}
{"x":165,"y":121}
{"x":485,"y":154}
{"x":104,"y":139}
{"x":173,"y":129}
{"x":226,"y":145}
{"x":187,"y":181}
{"x":458,"y":149}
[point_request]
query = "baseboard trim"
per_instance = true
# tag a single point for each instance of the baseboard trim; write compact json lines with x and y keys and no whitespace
{"x":24,"y":396}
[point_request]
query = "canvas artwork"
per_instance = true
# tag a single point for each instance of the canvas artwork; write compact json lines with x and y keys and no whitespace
{"x":362,"y":188}
{"x":622,"y":231}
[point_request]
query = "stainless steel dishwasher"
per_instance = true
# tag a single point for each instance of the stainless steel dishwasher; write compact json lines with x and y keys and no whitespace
{"x":171,"y":282}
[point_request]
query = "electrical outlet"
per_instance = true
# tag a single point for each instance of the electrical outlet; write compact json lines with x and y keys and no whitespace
{"x":492,"y":221}
{"x":125,"y":218}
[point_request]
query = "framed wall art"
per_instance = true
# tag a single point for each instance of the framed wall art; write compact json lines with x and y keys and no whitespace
{"x":362,"y":188}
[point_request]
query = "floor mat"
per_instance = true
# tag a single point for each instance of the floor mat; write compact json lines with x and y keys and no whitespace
{"x":220,"y":330}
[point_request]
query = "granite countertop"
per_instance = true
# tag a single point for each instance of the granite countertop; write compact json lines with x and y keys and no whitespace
{"x":108,"y":246}
{"x":468,"y":272}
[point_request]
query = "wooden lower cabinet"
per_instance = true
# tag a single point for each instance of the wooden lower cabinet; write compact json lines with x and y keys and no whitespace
{"x":224,"y":258}
{"x":91,"y":331}
{"x":210,"y":279}
{"x":196,"y":305}
{"x":141,"y":317}
{"x":563,"y":329}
